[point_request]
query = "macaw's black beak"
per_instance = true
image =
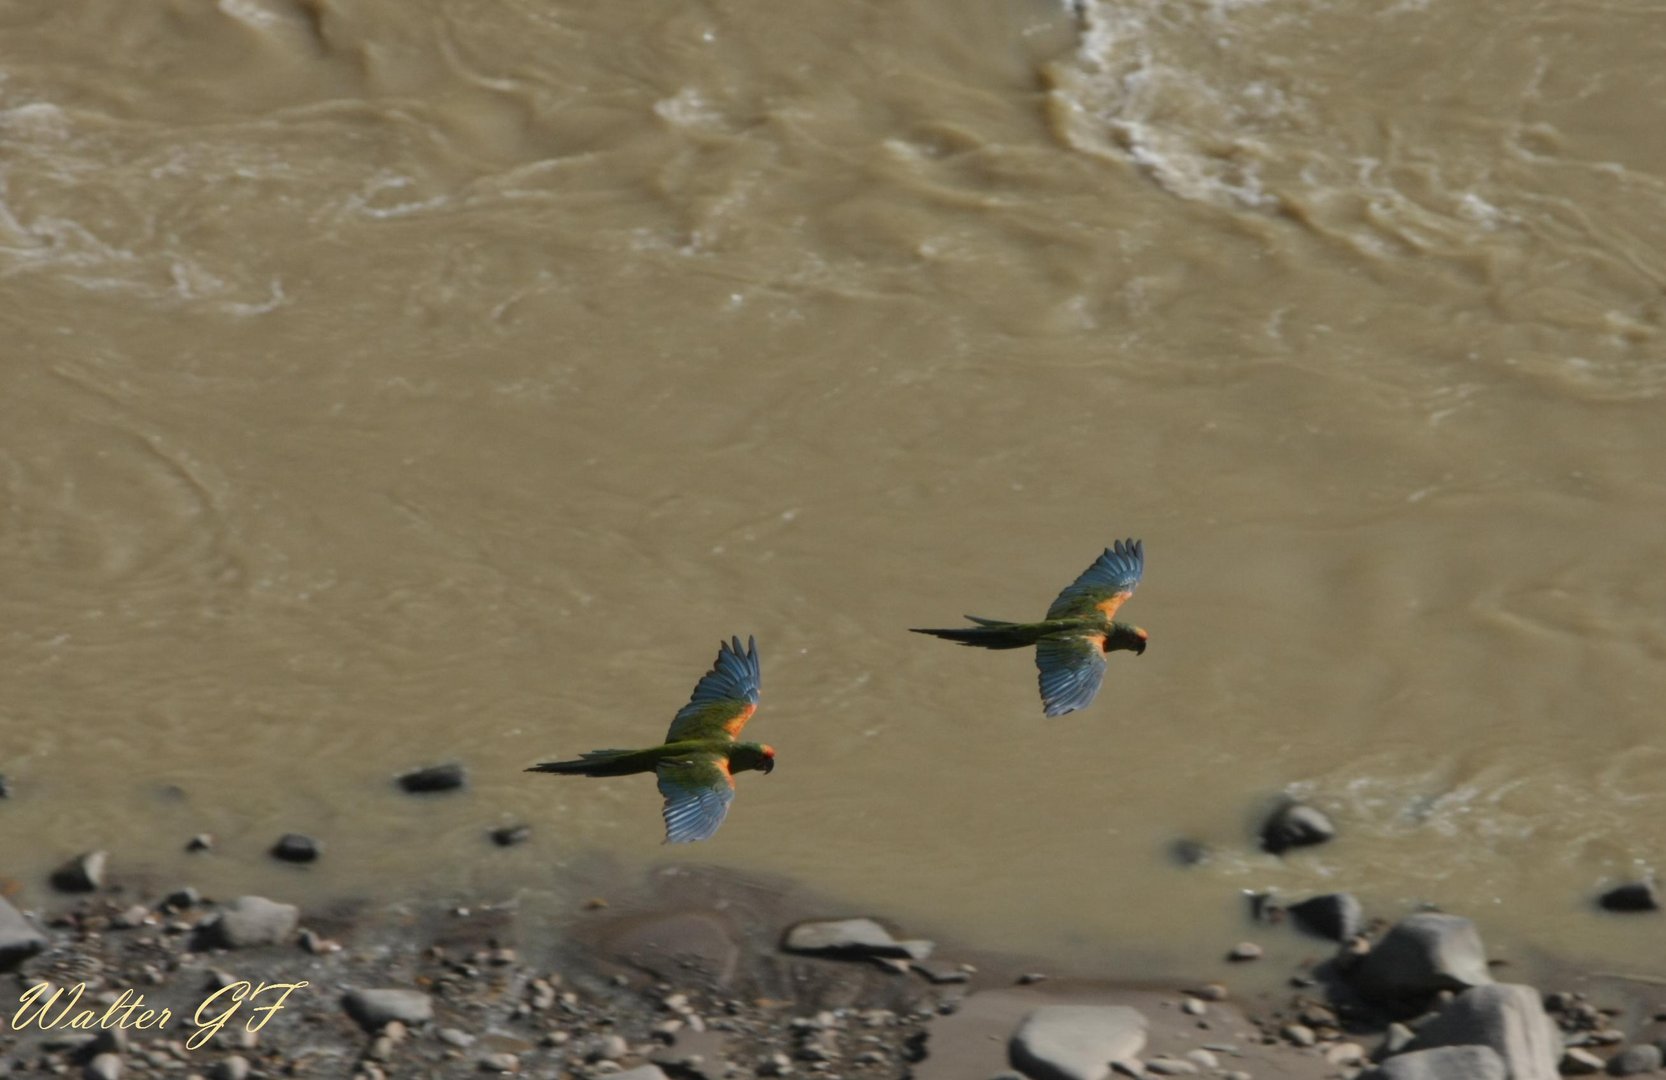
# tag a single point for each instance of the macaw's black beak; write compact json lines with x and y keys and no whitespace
{"x":768,"y":766}
{"x":1139,"y":650}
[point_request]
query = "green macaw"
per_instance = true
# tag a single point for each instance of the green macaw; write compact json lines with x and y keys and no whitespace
{"x":697,"y":762}
{"x":1071,"y":643}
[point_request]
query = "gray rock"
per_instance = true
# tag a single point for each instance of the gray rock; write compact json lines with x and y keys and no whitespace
{"x":1579,"y":1062}
{"x":941,"y":971}
{"x":642,"y":1072}
{"x":850,"y":937}
{"x":447,"y":777}
{"x":5,"y":787}
{"x":1443,"y":1063}
{"x":235,"y":1067}
{"x":1633,"y":896}
{"x":1300,"y":1034}
{"x":1167,"y":1066}
{"x":180,"y":899}
{"x":1244,"y":951}
{"x":249,"y":921}
{"x":1509,"y":1018}
{"x":1422,"y":955}
{"x":1337,"y":916}
{"x":103,"y":1067}
{"x":294,"y":847}
{"x":1295,"y":825}
{"x":1641,"y":1058}
{"x":84,"y":873}
{"x":19,"y":939}
{"x":501,"y":1063}
{"x":200,"y":842}
{"x":1076,"y":1042}
{"x":374,"y":1009}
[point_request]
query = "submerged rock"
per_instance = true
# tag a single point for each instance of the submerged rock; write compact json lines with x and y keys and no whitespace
{"x":1337,"y":916}
{"x":1188,"y":852}
{"x":19,"y":939}
{"x":1444,"y":1063}
{"x":1421,"y":955}
{"x":447,"y":777}
{"x":852,"y":938}
{"x":510,"y":835}
{"x":1295,"y":825}
{"x":1507,"y":1017}
{"x":1076,"y":1042}
{"x":249,"y":921}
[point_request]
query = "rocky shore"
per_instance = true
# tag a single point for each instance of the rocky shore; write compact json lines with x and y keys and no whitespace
{"x":696,"y":973}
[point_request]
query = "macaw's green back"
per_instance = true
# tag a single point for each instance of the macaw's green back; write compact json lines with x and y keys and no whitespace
{"x":1071,"y":642}
{"x":697,"y":762}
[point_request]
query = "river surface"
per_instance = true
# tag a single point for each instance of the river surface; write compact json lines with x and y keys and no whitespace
{"x":386,"y":383}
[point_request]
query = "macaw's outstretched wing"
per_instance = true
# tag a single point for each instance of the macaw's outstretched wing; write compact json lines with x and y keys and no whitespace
{"x":725,"y":697}
{"x":1071,"y":669}
{"x":1105,"y":585}
{"x":698,"y":790}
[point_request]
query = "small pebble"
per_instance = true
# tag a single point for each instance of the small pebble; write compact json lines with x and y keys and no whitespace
{"x":1300,"y":1034}
{"x":296,"y":848}
{"x":103,"y":1067}
{"x":1243,"y":951}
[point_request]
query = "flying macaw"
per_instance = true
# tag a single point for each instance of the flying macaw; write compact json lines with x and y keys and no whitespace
{"x":697,"y":762}
{"x":1071,"y":643}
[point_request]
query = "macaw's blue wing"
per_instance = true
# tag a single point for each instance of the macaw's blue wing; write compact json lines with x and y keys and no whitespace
{"x":1071,"y":669}
{"x":724,"y":699}
{"x":1105,"y":585}
{"x":698,"y":790}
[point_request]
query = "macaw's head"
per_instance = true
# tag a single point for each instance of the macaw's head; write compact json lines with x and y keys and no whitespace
{"x":1123,"y":636}
{"x":750,"y":755}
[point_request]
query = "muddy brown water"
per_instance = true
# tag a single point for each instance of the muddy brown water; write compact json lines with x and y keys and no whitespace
{"x":390,"y":383}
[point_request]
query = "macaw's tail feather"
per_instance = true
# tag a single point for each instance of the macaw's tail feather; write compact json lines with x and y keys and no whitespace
{"x":601,"y":763}
{"x":988,"y":634}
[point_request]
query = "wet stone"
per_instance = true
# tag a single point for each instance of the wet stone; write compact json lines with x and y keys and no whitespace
{"x":1337,"y":916}
{"x":296,"y":848}
{"x":1631,"y":897}
{"x":447,"y":777}
{"x":510,"y":835}
{"x":84,"y":873}
{"x":1295,"y":825}
{"x":1185,"y":852}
